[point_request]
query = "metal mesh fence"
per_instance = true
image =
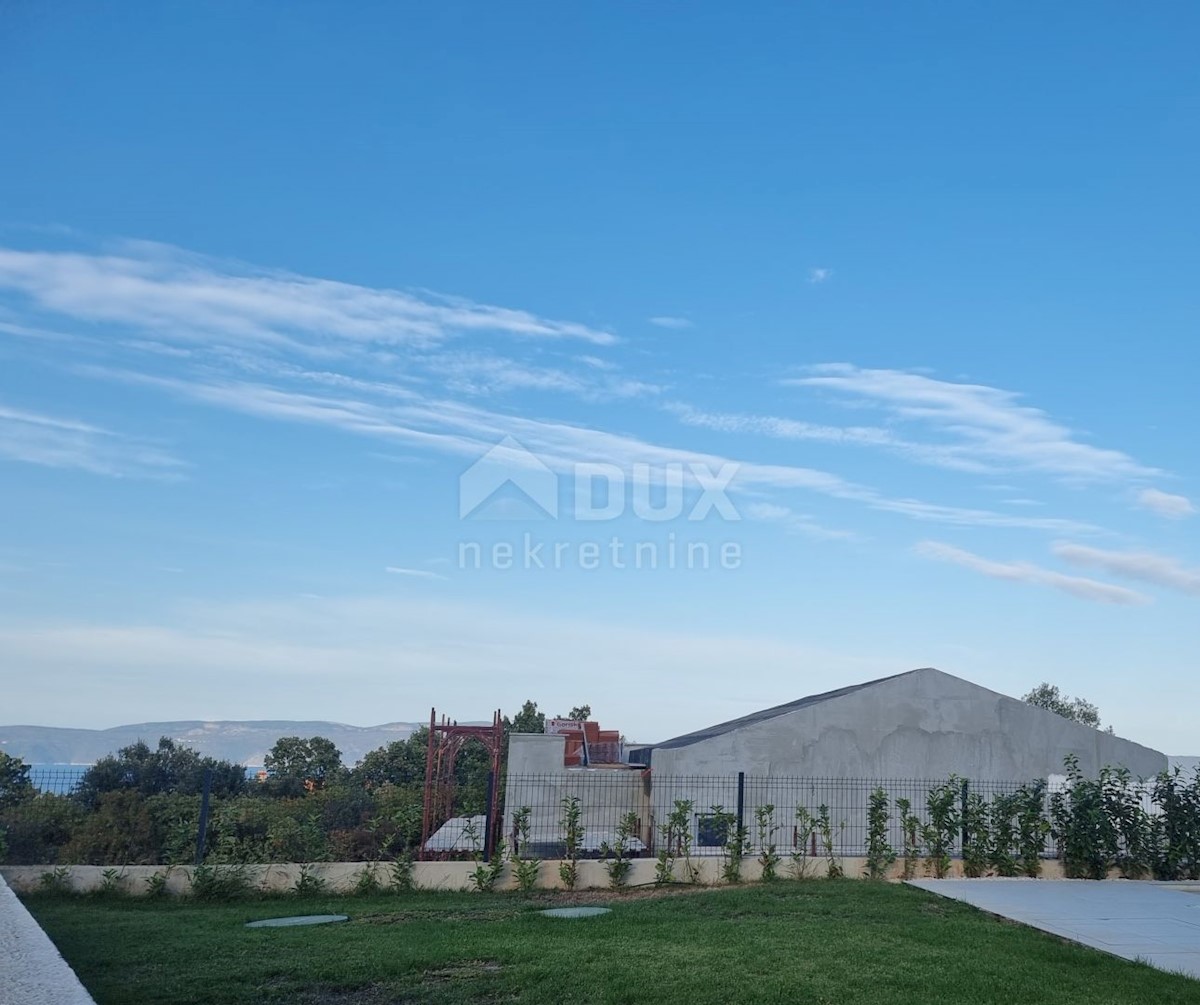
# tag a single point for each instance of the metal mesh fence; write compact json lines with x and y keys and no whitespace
{"x":791,"y":808}
{"x":59,"y":780}
{"x":801,"y":816}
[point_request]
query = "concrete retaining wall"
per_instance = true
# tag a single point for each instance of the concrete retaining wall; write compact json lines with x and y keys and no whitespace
{"x":31,"y":970}
{"x":341,"y":877}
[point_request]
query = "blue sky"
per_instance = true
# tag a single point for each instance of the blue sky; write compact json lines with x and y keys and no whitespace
{"x":913,"y":286}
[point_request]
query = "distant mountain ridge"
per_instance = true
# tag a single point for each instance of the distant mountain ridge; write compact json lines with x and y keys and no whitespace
{"x":244,"y":742}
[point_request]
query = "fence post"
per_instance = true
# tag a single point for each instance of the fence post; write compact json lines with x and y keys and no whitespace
{"x":741,"y":803}
{"x":489,"y":833}
{"x":966,"y":834}
{"x":202,"y":832}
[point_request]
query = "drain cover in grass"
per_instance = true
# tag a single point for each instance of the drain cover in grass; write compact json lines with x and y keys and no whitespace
{"x":576,"y":912}
{"x":303,"y":919}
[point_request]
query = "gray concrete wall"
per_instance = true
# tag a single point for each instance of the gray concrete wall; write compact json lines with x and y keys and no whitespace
{"x":537,"y":778}
{"x":926,"y":724}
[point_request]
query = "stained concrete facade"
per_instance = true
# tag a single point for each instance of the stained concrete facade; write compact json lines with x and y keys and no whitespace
{"x":907,"y":732}
{"x":922,"y":724}
{"x":537,"y":778}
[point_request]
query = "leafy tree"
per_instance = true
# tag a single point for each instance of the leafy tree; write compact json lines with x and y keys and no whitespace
{"x":398,"y":763}
{"x":580,"y":713}
{"x":168,"y":768}
{"x":15,"y":786}
{"x":296,"y":765}
{"x":528,"y":720}
{"x":1079,"y":710}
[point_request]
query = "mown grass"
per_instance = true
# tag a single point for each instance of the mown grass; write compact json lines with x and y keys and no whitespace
{"x":811,"y":942}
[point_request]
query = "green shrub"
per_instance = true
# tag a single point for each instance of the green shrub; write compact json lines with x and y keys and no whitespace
{"x":765,"y":830}
{"x":1175,"y":833}
{"x":156,"y":884}
{"x":571,"y":824}
{"x":910,"y":827}
{"x":802,"y":836}
{"x":977,"y":839}
{"x":1001,"y":851}
{"x":56,"y":881}
{"x":676,"y":843}
{"x":37,"y":830}
{"x":1123,"y":804}
{"x":525,"y":866}
{"x":833,"y":864}
{"x":220,"y":883}
{"x":367,"y":884}
{"x":487,"y":872}
{"x":308,"y":883}
{"x":121,"y":829}
{"x":941,"y":803}
{"x":616,"y":854}
{"x":1032,"y":826}
{"x":1087,"y":838}
{"x":880,"y":854}
{"x":110,"y":884}
{"x":402,"y":874}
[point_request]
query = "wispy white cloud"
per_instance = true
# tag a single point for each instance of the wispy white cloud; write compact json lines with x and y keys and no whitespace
{"x":1145,"y":566}
{"x":469,"y":431}
{"x":1165,"y":504}
{"x":965,"y":516}
{"x":1027,"y":572}
{"x":392,"y":371}
{"x":797,"y":523}
{"x":779,"y":428}
{"x":976,"y":426}
{"x":818,"y":276}
{"x":172,"y":295}
{"x":477,"y":373}
{"x":399,"y":570}
{"x":56,"y":442}
{"x":667,"y":321}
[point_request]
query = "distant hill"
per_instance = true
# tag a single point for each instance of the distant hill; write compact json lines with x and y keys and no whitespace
{"x":243,"y":742}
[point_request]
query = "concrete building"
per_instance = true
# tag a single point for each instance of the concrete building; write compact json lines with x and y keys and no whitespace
{"x":920,"y":724}
{"x":908,"y":732}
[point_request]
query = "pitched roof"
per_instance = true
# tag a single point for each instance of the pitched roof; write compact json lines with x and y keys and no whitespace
{"x":767,"y":713}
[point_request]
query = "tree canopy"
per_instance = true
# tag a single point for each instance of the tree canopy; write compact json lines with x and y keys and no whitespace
{"x":168,"y":768}
{"x":580,"y":713}
{"x":528,"y":720}
{"x":1049,"y":697}
{"x":296,"y":765}
{"x":15,"y":786}
{"x":399,"y":763}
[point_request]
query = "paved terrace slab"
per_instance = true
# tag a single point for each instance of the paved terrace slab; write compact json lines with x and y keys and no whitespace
{"x":31,"y":970}
{"x":1158,"y":923}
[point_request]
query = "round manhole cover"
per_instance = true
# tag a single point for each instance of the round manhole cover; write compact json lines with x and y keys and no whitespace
{"x":576,"y":912}
{"x":302,"y":919}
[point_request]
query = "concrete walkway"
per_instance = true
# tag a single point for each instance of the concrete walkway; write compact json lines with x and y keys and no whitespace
{"x":31,"y":970}
{"x":1158,"y":923}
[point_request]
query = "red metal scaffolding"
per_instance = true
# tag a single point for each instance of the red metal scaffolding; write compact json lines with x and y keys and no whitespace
{"x":446,"y":739}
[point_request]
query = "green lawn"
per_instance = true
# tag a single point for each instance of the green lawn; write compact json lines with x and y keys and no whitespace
{"x":816,"y":941}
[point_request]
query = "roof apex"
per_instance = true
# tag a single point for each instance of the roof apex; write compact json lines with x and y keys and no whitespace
{"x":770,"y":713}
